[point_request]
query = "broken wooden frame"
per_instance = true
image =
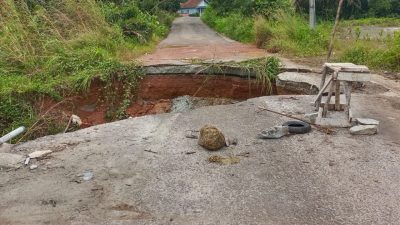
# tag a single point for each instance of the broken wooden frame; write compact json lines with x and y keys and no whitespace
{"x":345,"y":73}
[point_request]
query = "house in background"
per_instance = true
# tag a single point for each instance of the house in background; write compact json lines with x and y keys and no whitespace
{"x":193,"y":7}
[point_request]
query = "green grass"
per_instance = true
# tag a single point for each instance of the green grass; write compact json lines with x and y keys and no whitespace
{"x":287,"y":33}
{"x":379,"y":55}
{"x":383,"y":22}
{"x":235,"y":26}
{"x":55,"y":49}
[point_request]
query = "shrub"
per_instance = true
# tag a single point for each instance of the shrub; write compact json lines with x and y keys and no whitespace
{"x":235,"y":26}
{"x":56,"y":48}
{"x":262,"y":32}
{"x":383,"y":58}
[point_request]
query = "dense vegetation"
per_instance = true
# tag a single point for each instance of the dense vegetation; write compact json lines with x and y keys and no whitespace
{"x":55,"y":48}
{"x":281,"y":26}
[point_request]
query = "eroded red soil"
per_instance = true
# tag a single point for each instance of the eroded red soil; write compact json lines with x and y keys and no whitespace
{"x":155,"y":94}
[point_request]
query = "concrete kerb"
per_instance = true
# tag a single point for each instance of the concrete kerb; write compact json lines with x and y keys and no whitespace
{"x":211,"y":68}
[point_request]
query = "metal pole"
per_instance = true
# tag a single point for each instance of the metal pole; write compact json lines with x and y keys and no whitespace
{"x":313,"y":21}
{"x":11,"y":135}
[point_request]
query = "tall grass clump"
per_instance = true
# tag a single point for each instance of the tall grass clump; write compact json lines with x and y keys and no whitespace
{"x":282,"y":31}
{"x":382,"y":57}
{"x":56,"y":48}
{"x":236,"y":26}
{"x":262,"y":32}
{"x":292,"y":36}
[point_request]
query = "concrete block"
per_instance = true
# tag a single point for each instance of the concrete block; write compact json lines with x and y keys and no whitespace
{"x":364,"y":130}
{"x":367,"y":121}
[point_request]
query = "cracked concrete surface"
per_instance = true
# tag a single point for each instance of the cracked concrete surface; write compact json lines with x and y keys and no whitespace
{"x":143,"y":174}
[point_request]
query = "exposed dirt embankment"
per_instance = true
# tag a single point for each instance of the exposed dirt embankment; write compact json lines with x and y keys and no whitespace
{"x":171,"y":86}
{"x":154,"y":95}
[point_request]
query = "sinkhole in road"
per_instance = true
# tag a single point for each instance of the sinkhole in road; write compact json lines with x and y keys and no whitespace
{"x":176,"y":93}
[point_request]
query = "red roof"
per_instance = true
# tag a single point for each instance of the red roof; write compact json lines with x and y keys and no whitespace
{"x":190,"y":4}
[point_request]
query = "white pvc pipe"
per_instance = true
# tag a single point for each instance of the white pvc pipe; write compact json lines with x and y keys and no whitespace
{"x":12,"y":135}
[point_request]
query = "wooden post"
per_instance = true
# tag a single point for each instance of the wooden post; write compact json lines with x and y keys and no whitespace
{"x":328,"y":99}
{"x":337,"y":96}
{"x":347,"y":90}
{"x":334,"y":30}
{"x":321,"y":86}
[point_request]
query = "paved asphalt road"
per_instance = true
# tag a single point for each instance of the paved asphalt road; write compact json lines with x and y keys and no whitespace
{"x":191,"y":39}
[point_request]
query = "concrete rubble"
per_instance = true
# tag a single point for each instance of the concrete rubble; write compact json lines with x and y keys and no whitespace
{"x":311,"y":117}
{"x":274,"y":132}
{"x":39,"y":154}
{"x":367,"y":121}
{"x":364,"y":130}
{"x":76,"y":120}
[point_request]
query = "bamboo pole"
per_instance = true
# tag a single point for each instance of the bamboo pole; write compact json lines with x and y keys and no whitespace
{"x":330,"y":50}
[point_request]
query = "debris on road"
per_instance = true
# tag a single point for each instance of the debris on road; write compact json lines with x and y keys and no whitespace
{"x":182,"y":104}
{"x":274,"y":132}
{"x":87,"y":175}
{"x":149,"y":150}
{"x":298,"y":127}
{"x":211,"y":138}
{"x":244,"y":154}
{"x":27,"y":160}
{"x":311,"y":117}
{"x":39,"y":154}
{"x":193,"y":134}
{"x":231,"y":141}
{"x":367,"y":121}
{"x":364,"y":130}
{"x":32,"y":167}
{"x":223,"y":160}
{"x":50,"y":202}
{"x":76,"y":120}
{"x":11,"y":161}
{"x":12,"y":135}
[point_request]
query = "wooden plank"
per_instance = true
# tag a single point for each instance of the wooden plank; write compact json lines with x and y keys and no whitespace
{"x":357,"y":77}
{"x":347,"y":90}
{"x":321,"y":88}
{"x":321,"y":92}
{"x":332,"y":106}
{"x":347,"y":67}
{"x":337,"y":96}
{"x":328,"y":99}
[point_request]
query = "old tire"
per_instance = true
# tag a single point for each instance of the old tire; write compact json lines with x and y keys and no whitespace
{"x":298,"y":127}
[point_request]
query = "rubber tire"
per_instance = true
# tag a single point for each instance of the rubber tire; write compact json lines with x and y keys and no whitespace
{"x":298,"y":127}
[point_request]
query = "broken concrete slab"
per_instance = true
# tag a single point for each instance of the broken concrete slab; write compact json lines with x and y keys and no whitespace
{"x":311,"y":117}
{"x":364,"y":130}
{"x":39,"y":154}
{"x":278,"y":174}
{"x":274,"y":132}
{"x":11,"y":161}
{"x":367,"y":121}
{"x":303,"y":83}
